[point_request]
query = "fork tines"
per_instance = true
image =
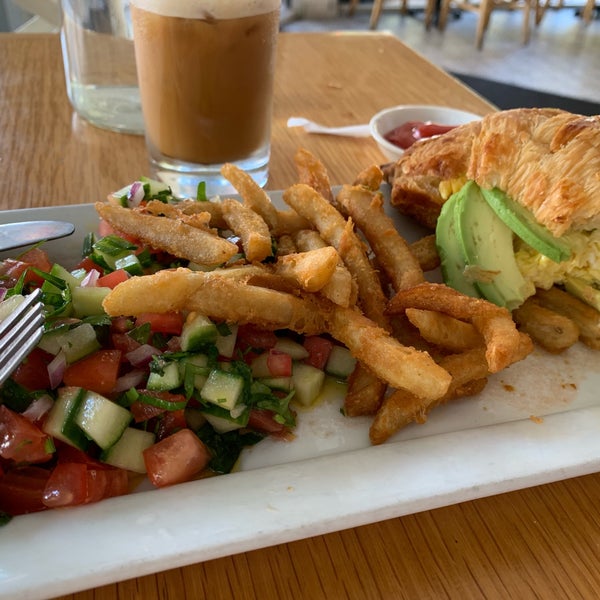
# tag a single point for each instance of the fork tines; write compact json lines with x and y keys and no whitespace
{"x":20,"y":332}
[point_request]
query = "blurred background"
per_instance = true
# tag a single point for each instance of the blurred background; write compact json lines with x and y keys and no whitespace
{"x":560,"y":61}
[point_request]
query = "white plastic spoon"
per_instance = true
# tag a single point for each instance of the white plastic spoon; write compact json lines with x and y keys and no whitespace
{"x":312,"y":127}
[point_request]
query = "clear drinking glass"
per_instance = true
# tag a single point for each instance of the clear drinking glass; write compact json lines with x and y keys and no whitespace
{"x":99,"y":63}
{"x":205,"y":71}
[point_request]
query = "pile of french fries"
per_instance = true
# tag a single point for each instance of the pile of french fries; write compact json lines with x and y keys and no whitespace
{"x":329,"y":264}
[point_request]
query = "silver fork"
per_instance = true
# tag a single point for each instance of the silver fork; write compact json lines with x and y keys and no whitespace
{"x":20,"y":331}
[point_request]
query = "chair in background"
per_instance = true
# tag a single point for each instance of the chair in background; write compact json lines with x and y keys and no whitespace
{"x":484,"y":9}
{"x":430,"y":8}
{"x":588,"y":11}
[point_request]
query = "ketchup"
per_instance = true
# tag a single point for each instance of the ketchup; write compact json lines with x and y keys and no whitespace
{"x":408,"y":133}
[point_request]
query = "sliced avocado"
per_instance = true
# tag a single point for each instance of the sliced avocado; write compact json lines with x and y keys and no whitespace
{"x":452,"y":259}
{"x":583,"y":290}
{"x":487,"y":245}
{"x":522,"y":223}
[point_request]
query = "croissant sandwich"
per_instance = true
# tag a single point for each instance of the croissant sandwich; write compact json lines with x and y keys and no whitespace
{"x":515,"y":202}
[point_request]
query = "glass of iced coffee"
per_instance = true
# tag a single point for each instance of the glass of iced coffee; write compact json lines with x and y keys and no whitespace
{"x":205,"y":73}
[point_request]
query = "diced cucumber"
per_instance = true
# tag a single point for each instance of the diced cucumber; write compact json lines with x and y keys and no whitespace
{"x":198,"y":330}
{"x":60,"y":422}
{"x":222,"y":388}
{"x":284,"y":384}
{"x":169,"y":379}
{"x":75,"y":343}
{"x":130,"y":263}
{"x":9,"y":305}
{"x":69,"y":278}
{"x":308,"y":383}
{"x":226,"y":343}
{"x":101,"y":419}
{"x":222,"y":421}
{"x":153,"y":187}
{"x":128,"y":452}
{"x":87,"y":301}
{"x":340,"y":363}
{"x":194,"y":370}
{"x":294,"y":349}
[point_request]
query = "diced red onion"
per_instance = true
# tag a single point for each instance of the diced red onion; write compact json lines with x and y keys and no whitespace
{"x":129,"y":380}
{"x":56,"y":369}
{"x":91,"y":279}
{"x":142,"y":355}
{"x":36,"y":411}
{"x":136,"y":194}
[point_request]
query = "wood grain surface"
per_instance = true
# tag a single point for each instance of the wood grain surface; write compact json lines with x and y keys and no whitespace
{"x":542,"y":542}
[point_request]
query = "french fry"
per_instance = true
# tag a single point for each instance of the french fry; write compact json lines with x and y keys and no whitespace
{"x":393,"y":253}
{"x":585,"y":317}
{"x":403,"y":407}
{"x":214,"y":209}
{"x":341,"y":289}
{"x":370,"y":178}
{"x":285,"y":245}
{"x":253,"y":196}
{"x":365,"y":393}
{"x":493,"y":322}
{"x":256,"y":199}
{"x":251,"y":227}
{"x":469,"y":372}
{"x":311,"y":270}
{"x":172,"y":235}
{"x":552,"y":331}
{"x":217,"y":296}
{"x":444,"y":331}
{"x":312,"y":172}
{"x":401,"y":366}
{"x":425,"y":251}
{"x":338,"y":233}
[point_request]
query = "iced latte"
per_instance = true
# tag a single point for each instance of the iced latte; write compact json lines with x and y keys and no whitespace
{"x":205,"y":71}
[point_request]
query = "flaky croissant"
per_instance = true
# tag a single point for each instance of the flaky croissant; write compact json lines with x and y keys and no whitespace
{"x":546,"y":159}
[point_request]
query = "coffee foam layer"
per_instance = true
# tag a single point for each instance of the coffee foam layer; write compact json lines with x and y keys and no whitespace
{"x":218,"y":9}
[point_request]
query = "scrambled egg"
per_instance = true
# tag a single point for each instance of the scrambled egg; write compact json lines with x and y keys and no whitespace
{"x":584,"y":263}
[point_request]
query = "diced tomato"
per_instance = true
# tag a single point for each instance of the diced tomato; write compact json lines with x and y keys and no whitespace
{"x":66,"y":486}
{"x":279,"y":363}
{"x":106,"y":483}
{"x":319,"y":349}
{"x":32,"y":373}
{"x":105,"y":228}
{"x":171,"y":323}
{"x":121,"y":324}
{"x":176,"y":459}
{"x":22,"y":490}
{"x":170,"y":422}
{"x":73,"y":483}
{"x":124,"y":342}
{"x":21,"y":440}
{"x":97,"y":372}
{"x":65,"y":453}
{"x":87,"y":264}
{"x":250,"y":336}
{"x":38,"y":258}
{"x":12,"y":269}
{"x":264,"y":420}
{"x":167,"y":421}
{"x":111,"y":280}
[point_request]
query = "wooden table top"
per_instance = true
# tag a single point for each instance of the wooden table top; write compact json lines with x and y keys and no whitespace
{"x":541,"y":542}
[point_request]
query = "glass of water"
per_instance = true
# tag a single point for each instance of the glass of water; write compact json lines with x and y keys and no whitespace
{"x":99,"y":62}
